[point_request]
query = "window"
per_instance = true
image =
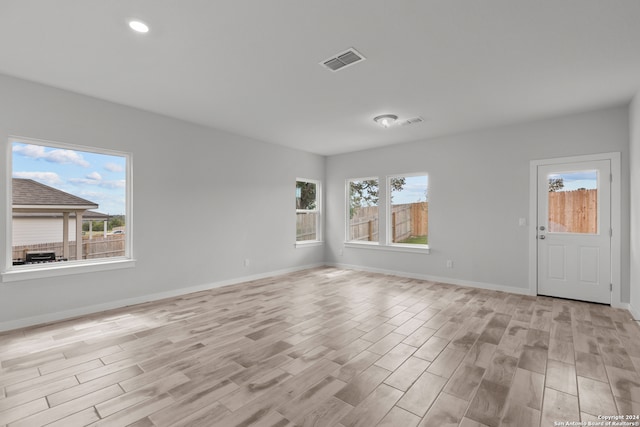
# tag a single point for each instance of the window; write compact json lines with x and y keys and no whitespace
{"x":408,"y":209}
{"x":404,"y":200}
{"x":307,"y":211}
{"x":362,"y":210}
{"x":69,"y":207}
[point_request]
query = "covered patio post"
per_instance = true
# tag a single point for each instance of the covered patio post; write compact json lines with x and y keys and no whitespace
{"x":79,"y":235}
{"x":65,"y":235}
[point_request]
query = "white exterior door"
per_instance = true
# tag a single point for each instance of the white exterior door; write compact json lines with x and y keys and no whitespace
{"x":573,"y":230}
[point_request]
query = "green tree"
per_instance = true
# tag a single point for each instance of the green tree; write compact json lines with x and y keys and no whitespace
{"x":366,"y":193}
{"x":95,"y":225}
{"x":305,"y":195}
{"x":555,"y":184}
{"x":115,"y":221}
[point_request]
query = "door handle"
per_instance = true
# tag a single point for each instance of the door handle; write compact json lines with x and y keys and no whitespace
{"x":542,"y":228}
{"x":542,"y":237}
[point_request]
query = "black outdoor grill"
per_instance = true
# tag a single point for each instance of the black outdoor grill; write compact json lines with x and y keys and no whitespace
{"x":35,"y":257}
{"x":38,"y":258}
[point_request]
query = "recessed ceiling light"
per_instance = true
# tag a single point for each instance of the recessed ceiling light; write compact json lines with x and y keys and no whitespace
{"x":385,"y":120}
{"x":139,"y":26}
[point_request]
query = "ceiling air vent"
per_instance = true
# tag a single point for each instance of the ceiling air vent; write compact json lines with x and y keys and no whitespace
{"x":412,"y":121}
{"x":343,"y":60}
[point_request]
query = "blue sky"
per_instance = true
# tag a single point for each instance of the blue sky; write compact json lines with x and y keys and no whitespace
{"x":99,"y":178}
{"x":413,"y":190}
{"x":574,"y":180}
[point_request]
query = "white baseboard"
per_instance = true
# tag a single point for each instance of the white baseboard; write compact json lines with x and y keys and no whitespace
{"x":83,"y":311}
{"x":468,"y":283}
{"x":449,"y":280}
{"x":634,"y":312}
{"x":622,"y":305}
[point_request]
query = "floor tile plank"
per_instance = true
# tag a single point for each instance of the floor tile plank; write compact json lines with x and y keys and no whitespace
{"x":595,"y":397}
{"x":360,"y":387}
{"x":422,"y":393}
{"x":403,"y":377}
{"x":446,"y":411}
{"x":562,"y":377}
{"x":488,"y":404}
{"x":372,"y":409}
{"x":558,"y":407}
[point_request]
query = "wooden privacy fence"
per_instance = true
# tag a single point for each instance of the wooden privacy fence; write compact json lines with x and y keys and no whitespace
{"x":407,"y":220}
{"x":365,"y":228}
{"x":306,"y":226}
{"x":98,"y":247}
{"x":573,"y":211}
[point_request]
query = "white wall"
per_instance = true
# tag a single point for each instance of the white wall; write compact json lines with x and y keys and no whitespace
{"x":204,"y":201}
{"x":479,"y":188}
{"x":634,"y":160}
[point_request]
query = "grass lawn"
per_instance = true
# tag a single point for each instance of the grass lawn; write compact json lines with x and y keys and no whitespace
{"x":415,"y":240}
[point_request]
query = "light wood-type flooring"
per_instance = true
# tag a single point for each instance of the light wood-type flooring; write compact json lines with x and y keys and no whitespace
{"x":326,"y":347}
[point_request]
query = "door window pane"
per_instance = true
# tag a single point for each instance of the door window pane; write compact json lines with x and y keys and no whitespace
{"x":573,"y":202}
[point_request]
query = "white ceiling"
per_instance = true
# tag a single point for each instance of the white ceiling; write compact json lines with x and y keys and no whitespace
{"x":251,"y":66}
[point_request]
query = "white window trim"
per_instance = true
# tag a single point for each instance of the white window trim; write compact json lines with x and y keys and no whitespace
{"x":319,"y":240}
{"x":385,"y":245}
{"x":389,"y":237}
{"x":418,"y":249}
{"x":11,"y":273}
{"x":347,"y":220}
{"x":308,"y":243}
{"x":25,"y":272}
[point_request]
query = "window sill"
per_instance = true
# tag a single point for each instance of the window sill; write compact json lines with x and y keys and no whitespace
{"x":19,"y":273}
{"x":309,"y":243}
{"x":418,"y":249}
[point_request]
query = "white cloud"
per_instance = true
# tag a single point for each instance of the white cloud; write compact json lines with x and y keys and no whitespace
{"x":33,"y":151}
{"x":94,"y":176}
{"x":66,"y":157}
{"x":114,"y":184}
{"x":112,"y":167}
{"x":54,"y":156}
{"x":48,"y":178}
{"x":113,"y":204}
{"x":91,"y":179}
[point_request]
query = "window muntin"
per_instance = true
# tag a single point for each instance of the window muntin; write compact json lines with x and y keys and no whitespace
{"x":308,"y":211}
{"x":408,"y":204}
{"x":60,"y":191}
{"x":363,"y":210}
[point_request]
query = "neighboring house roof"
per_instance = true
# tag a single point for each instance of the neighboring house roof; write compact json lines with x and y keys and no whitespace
{"x":29,"y":193}
{"x":88,"y":215}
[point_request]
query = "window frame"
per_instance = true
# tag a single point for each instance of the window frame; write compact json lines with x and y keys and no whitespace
{"x":11,"y":273}
{"x":389,"y":207}
{"x":383,"y":244}
{"x":319,"y":240}
{"x":347,"y":222}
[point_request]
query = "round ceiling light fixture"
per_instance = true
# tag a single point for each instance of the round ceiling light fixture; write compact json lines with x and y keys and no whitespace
{"x":385,"y":120}
{"x":138,"y":26}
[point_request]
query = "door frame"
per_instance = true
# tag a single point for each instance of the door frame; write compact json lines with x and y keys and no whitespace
{"x":616,"y":240}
